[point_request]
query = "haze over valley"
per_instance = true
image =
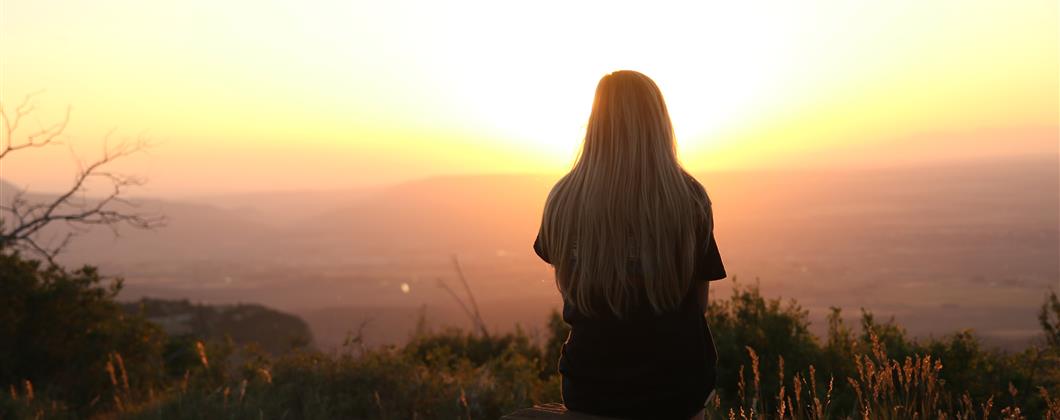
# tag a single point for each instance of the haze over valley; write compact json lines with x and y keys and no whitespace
{"x":941,"y":248}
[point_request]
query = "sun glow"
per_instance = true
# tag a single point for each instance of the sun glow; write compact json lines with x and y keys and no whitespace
{"x":284,"y":94}
{"x":534,"y":86}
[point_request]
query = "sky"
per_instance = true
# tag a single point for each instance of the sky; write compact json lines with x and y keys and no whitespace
{"x":265,"y":95}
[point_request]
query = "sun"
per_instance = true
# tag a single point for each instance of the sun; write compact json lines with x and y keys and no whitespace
{"x":538,"y":99}
{"x":547,"y":113}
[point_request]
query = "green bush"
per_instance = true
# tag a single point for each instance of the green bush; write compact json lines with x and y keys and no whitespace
{"x":62,"y":334}
{"x":755,"y":335}
{"x":769,"y":327}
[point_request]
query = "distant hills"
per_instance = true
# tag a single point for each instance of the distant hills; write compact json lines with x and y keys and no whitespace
{"x":954,"y":245}
{"x":276,"y":332}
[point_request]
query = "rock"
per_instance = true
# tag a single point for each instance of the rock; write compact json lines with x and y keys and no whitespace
{"x":550,"y":411}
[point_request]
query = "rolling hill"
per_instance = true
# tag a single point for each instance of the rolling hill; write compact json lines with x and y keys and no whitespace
{"x":956,"y":245}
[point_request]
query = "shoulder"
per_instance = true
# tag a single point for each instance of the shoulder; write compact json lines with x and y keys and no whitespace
{"x":697,"y":189}
{"x":558,"y":191}
{"x":704,"y":219}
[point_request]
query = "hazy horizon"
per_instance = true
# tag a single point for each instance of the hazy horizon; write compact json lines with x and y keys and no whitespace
{"x":970,"y":244}
{"x":146,"y":192}
{"x":250,"y":97}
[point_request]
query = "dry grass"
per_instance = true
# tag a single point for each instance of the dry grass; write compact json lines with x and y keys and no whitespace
{"x":783,"y":374}
{"x":885,"y":389}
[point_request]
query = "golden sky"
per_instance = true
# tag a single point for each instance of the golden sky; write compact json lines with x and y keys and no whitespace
{"x":259,"y":95}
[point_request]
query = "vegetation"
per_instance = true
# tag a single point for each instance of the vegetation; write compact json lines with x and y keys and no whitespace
{"x":771,"y":366}
{"x":67,"y":350}
{"x":62,"y":337}
{"x":275,"y":332}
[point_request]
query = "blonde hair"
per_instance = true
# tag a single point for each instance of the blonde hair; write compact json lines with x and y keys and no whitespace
{"x":627,"y":199}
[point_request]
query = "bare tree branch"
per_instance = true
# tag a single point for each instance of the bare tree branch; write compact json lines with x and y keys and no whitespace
{"x":40,"y":138}
{"x":22,"y":221}
{"x":471,"y":308}
{"x":467,"y":311}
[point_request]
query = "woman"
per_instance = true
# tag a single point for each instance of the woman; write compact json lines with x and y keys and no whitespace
{"x":630,"y":236}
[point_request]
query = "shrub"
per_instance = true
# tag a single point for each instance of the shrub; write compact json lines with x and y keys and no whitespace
{"x":67,"y":350}
{"x":62,"y":334}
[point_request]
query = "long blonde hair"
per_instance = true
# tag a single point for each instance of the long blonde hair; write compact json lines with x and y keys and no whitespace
{"x":627,"y":199}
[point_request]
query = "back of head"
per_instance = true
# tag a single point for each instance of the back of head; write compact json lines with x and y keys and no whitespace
{"x":627,"y":200}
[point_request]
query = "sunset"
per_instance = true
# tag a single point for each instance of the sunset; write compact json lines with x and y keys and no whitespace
{"x":478,"y":209}
{"x":275,"y":95}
